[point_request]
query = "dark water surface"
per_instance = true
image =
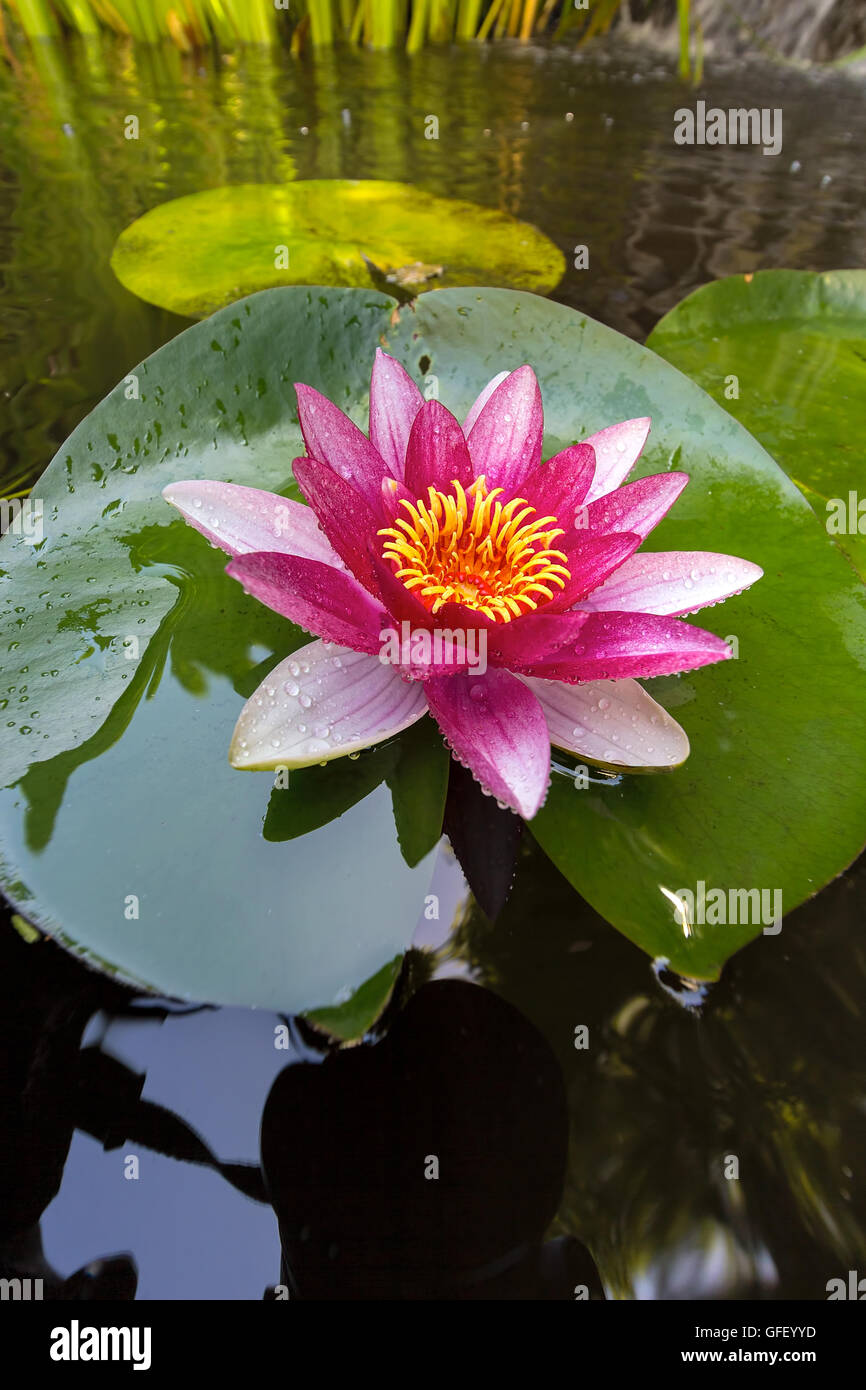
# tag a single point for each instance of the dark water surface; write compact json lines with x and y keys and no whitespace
{"x":771,"y":1072}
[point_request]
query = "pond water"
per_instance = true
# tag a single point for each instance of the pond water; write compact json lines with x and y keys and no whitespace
{"x":769,"y":1071}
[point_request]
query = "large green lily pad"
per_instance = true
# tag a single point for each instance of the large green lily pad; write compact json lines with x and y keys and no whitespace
{"x":195,"y":254}
{"x":115,"y":768}
{"x":129,"y":653}
{"x":796,"y":344}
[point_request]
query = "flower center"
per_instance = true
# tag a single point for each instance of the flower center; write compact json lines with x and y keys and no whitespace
{"x":467,"y":546}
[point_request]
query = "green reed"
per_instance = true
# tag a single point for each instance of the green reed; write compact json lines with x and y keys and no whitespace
{"x":381,"y":24}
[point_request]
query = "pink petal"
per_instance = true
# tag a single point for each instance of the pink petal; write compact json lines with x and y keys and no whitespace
{"x":612,"y":646}
{"x":617,"y":450}
{"x":343,"y":515}
{"x":322,"y":600}
{"x":559,"y":486}
{"x":611,"y":722}
{"x":394,"y":402}
{"x":591,"y":561}
{"x":419,"y":653}
{"x":534,"y":638}
{"x":672,"y":581}
{"x":480,"y":402}
{"x":322,"y":702}
{"x":637,"y":507}
{"x":241,"y":519}
{"x":505,"y":440}
{"x":330,"y":436}
{"x":437,"y":452}
{"x":496,"y":728}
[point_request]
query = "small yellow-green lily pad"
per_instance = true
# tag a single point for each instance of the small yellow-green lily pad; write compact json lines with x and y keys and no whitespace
{"x":196,"y":254}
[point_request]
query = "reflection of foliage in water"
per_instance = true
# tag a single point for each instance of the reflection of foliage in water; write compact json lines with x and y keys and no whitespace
{"x":675,"y":219}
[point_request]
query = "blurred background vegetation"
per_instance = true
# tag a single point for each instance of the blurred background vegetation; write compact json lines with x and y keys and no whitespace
{"x":196,"y":24}
{"x":793,"y":31}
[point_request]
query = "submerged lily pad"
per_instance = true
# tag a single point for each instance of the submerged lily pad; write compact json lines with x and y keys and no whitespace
{"x":785,"y":352}
{"x":124,"y":829}
{"x":195,"y":254}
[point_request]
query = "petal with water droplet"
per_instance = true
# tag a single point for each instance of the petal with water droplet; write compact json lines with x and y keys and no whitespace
{"x":360,"y":702}
{"x":319,"y":599}
{"x":617,"y":450}
{"x":672,"y":582}
{"x":243,"y":519}
{"x":507,"y":451}
{"x":394,"y":402}
{"x":501,"y":737}
{"x":332,"y":437}
{"x":481,"y":400}
{"x":637,"y":507}
{"x":586,"y":719}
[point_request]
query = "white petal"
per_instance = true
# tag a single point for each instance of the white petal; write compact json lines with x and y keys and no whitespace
{"x":323,"y":702}
{"x":617,"y":450}
{"x":481,"y":401}
{"x":672,"y":582}
{"x":245,"y":519}
{"x":615,"y":723}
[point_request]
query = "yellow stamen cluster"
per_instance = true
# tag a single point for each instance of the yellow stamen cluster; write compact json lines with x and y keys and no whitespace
{"x":468,"y":546}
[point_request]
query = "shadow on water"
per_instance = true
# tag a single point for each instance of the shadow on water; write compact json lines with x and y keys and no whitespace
{"x":428,"y":1166}
{"x":711,"y":1153}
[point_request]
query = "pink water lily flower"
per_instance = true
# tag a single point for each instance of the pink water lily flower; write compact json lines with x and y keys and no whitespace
{"x":446,"y":568}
